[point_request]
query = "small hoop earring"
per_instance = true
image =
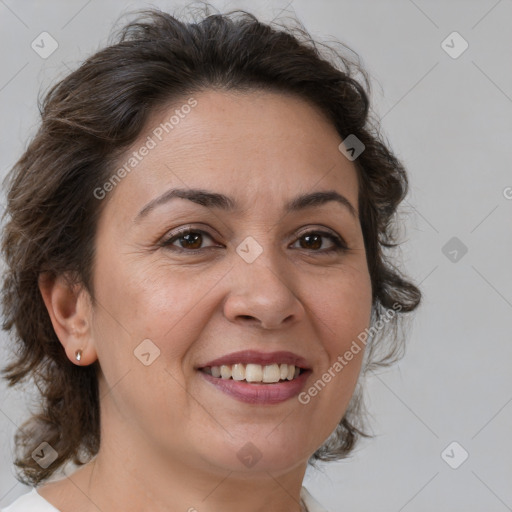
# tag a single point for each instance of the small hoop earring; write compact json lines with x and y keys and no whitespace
{"x":78,"y":354}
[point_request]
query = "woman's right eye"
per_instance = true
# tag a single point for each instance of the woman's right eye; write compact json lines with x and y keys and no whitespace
{"x":189,"y":240}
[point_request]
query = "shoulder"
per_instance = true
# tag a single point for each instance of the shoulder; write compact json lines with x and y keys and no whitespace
{"x":30,"y":502}
{"x":310,"y":502}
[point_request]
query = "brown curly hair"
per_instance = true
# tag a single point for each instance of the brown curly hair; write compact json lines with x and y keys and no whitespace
{"x":91,"y":116}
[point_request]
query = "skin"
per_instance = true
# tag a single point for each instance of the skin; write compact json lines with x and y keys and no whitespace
{"x":169,"y":439}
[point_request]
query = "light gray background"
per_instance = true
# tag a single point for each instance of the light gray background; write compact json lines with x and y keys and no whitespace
{"x":449,"y":120}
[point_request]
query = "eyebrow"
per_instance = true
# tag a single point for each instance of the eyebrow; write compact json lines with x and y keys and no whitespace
{"x":223,"y":202}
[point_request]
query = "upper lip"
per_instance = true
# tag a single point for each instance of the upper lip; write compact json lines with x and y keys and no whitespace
{"x":262,"y":358}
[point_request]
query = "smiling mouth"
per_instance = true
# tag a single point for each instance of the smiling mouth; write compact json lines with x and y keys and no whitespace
{"x":255,"y":373}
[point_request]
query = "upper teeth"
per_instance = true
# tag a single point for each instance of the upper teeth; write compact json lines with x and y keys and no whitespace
{"x":255,"y":372}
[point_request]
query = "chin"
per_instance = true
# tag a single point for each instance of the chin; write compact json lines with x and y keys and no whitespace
{"x":260,"y":453}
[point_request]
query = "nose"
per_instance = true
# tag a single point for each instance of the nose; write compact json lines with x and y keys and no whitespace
{"x":262,"y":294}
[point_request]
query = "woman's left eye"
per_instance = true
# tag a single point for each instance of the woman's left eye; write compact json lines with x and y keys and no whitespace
{"x":314,"y":240}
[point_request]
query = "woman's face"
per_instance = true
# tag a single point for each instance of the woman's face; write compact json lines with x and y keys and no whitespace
{"x":260,"y":271}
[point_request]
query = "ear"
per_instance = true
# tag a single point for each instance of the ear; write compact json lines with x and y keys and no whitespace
{"x":70,"y":309}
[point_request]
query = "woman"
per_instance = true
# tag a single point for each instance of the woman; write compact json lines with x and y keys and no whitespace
{"x":195,"y":270}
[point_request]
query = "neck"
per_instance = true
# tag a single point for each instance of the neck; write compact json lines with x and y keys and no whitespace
{"x":133,"y":486}
{"x":141,"y":477}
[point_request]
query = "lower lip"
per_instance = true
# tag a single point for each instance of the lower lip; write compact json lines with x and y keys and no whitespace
{"x":259,"y":393}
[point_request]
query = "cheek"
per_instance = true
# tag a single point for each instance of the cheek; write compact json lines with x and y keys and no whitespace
{"x":341,"y":312}
{"x":342,"y":306}
{"x":137,"y":307}
{"x":171,"y":305}
{"x":154,"y":301}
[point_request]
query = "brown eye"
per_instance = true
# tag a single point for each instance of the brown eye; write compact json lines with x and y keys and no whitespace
{"x":187,"y":240}
{"x":191,"y":241}
{"x":313,"y":240}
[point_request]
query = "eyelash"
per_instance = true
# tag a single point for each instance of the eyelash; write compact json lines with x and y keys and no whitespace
{"x":339,"y":244}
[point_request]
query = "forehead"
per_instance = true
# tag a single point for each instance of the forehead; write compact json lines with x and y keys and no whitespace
{"x":253,"y":145}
